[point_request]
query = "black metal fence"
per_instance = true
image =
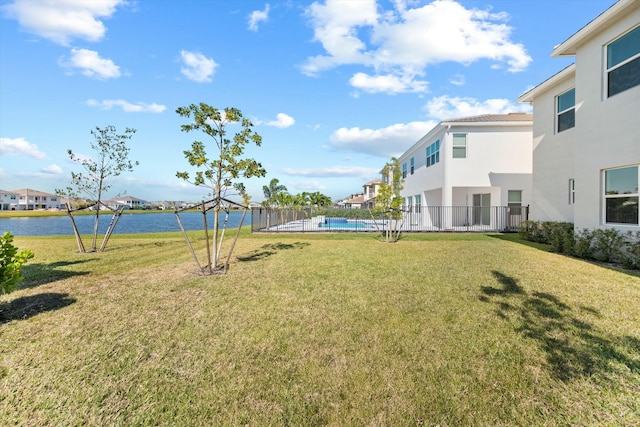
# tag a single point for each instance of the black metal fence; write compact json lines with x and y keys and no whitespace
{"x":414,"y":219}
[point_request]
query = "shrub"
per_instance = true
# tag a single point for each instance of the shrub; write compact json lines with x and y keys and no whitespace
{"x":608,"y":244}
{"x":10,"y":263}
{"x":583,"y":240}
{"x":532,"y":231}
{"x":630,"y":256}
{"x":557,"y":233}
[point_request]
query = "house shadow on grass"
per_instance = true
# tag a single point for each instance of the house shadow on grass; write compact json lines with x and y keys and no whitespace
{"x":571,"y":345}
{"x":29,"y":306}
{"x":37,"y":274}
{"x":270,"y":249}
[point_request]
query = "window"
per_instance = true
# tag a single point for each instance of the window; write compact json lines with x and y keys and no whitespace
{"x":566,"y":110}
{"x":572,"y":191}
{"x":418,"y":202}
{"x":404,"y":170}
{"x":621,"y":195}
{"x":433,"y":153}
{"x":459,"y":146}
{"x":623,"y":63}
{"x":412,"y":165}
{"x":514,"y":201}
{"x":13,"y":197}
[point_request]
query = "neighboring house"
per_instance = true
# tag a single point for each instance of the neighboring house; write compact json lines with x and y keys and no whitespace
{"x":127,"y":201}
{"x":29,"y":200}
{"x":354,"y":201}
{"x":8,"y":200}
{"x":481,"y":161}
{"x":586,"y":126}
{"x":370,"y":192}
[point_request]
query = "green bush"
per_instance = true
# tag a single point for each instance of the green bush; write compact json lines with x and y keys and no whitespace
{"x":557,"y":235}
{"x":532,"y":231}
{"x":630,"y":255}
{"x":10,"y":263}
{"x":583,"y":243}
{"x":608,"y":244}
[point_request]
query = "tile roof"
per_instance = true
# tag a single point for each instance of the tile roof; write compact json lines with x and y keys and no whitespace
{"x":511,"y":117}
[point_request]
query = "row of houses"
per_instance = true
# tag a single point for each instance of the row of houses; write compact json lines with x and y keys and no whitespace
{"x":575,"y":159}
{"x":30,"y":199}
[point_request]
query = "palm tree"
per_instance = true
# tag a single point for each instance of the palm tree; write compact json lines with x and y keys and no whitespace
{"x":271,"y":191}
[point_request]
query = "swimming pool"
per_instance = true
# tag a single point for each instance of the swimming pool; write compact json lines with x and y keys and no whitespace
{"x":345,"y":224}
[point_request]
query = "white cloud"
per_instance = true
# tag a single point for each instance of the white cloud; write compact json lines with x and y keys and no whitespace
{"x":333,"y":171}
{"x":457,"y":80}
{"x":445,"y":107}
{"x":197,"y":67}
{"x":258,"y":16}
{"x":399,"y":44}
{"x":127,"y":107}
{"x":385,"y":142}
{"x":282,"y":121}
{"x":20,"y":146}
{"x":91,"y":65}
{"x":62,"y":21}
{"x":310,"y":185}
{"x":387,"y":83}
{"x":52,"y":170}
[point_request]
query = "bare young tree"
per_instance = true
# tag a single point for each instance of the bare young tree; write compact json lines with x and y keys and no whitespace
{"x":111,"y":160}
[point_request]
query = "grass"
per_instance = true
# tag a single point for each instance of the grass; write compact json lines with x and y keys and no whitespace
{"x":453,"y":329}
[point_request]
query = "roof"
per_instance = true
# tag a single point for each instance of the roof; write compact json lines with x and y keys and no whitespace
{"x":491,"y":118}
{"x":31,"y":192}
{"x":620,"y":9}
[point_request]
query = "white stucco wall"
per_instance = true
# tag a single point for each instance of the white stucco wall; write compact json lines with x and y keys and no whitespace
{"x":553,"y":158}
{"x":607,"y":132}
{"x":498,"y":159}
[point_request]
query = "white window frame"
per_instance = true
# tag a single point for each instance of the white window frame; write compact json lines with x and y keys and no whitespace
{"x":606,"y":196}
{"x":572,"y":191}
{"x":614,"y":67}
{"x":566,"y":110}
{"x":412,"y":165}
{"x":460,"y":147}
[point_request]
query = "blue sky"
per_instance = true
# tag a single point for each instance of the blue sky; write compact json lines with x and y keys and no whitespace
{"x":335,"y":88}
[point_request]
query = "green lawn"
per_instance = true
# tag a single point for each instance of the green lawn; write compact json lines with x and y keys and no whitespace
{"x":344,"y":330}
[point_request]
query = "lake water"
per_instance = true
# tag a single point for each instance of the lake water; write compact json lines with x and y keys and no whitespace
{"x":127,"y":224}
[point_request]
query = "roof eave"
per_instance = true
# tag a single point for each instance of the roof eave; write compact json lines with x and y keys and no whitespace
{"x":570,"y":46}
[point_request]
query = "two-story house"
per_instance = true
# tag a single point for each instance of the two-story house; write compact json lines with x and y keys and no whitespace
{"x":29,"y":199}
{"x":586,"y":126}
{"x":8,"y":200}
{"x":370,"y":192}
{"x":472,"y":162}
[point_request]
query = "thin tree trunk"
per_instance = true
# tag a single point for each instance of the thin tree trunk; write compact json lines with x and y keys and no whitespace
{"x":206,"y":236}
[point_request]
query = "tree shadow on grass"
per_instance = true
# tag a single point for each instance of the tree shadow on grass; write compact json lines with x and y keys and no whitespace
{"x":29,"y":306}
{"x":572,"y":346}
{"x":270,"y":249}
{"x":37,"y":274}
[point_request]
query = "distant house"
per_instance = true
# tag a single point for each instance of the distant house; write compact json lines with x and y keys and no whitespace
{"x":354,"y":201}
{"x":127,"y":201}
{"x":8,"y":200}
{"x":586,"y":126}
{"x":29,"y":199}
{"x":480,"y":162}
{"x":370,"y":193}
